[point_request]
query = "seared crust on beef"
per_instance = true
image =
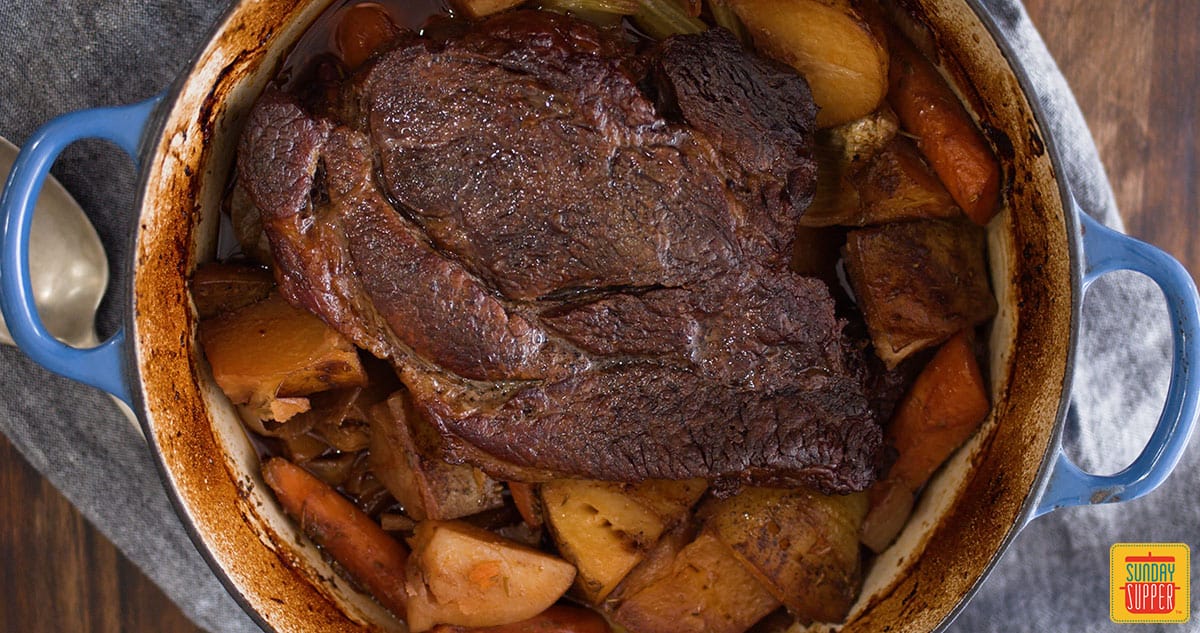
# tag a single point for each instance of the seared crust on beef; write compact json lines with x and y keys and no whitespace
{"x":757,"y":116}
{"x":570,"y":278}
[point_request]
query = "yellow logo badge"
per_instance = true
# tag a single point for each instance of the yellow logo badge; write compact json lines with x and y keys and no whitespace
{"x":1149,"y":582}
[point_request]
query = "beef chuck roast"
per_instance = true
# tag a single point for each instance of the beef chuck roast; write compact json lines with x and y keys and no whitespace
{"x":571,"y":276}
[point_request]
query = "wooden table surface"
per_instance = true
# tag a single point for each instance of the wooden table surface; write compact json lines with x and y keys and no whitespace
{"x":1132,"y":65}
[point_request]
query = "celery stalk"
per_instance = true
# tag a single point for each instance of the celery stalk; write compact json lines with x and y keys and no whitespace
{"x":725,"y":17}
{"x":661,"y":19}
{"x":618,"y":7}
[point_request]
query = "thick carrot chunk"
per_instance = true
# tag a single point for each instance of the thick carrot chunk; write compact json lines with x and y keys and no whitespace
{"x":943,"y":408}
{"x":370,"y":556}
{"x":946,"y":404}
{"x":945,"y":132}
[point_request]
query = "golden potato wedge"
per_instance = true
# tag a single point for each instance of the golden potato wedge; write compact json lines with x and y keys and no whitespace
{"x":831,"y":44}
{"x":271,"y":349}
{"x":669,"y":499}
{"x":605,"y":528}
{"x":427,"y":487}
{"x":706,"y":589}
{"x":464,"y":575}
{"x":801,"y":545}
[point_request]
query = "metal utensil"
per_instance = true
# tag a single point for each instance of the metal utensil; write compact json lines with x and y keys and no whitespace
{"x":67,"y":264}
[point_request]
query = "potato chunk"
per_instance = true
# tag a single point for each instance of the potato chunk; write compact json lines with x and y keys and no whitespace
{"x":801,"y":545}
{"x":918,"y":283}
{"x":426,"y":486}
{"x":830,"y":43}
{"x":270,"y":350}
{"x":655,"y":566}
{"x":464,"y":575}
{"x":893,"y":184}
{"x":605,"y":528}
{"x":897,"y":184}
{"x":706,"y":589}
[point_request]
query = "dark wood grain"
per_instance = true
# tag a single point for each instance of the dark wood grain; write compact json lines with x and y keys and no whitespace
{"x":60,"y":574}
{"x":1132,"y":65}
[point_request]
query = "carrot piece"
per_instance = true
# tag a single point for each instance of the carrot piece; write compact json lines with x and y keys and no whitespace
{"x":946,"y":403}
{"x":370,"y":556}
{"x":945,"y":132}
{"x":944,"y":406}
{"x":524,"y":498}
{"x":556,"y":619}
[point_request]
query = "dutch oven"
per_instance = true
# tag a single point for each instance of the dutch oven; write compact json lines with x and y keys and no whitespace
{"x":1044,"y":253}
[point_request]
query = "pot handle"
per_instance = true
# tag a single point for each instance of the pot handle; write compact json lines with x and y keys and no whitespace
{"x":1106,"y":250}
{"x":101,"y":366}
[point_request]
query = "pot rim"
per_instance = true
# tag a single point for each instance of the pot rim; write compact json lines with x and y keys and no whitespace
{"x":154,"y":131}
{"x":1071,"y":212}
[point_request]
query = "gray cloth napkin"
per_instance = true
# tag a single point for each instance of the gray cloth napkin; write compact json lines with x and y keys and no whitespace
{"x":72,"y":54}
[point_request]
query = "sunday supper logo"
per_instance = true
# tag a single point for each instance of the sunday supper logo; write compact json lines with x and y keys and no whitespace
{"x":1149,"y":582}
